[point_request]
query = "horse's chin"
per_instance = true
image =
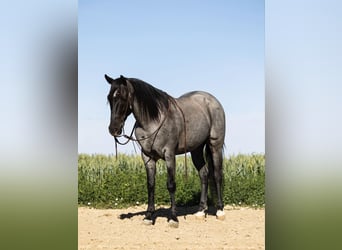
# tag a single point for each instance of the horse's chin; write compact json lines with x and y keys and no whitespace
{"x":116,"y":133}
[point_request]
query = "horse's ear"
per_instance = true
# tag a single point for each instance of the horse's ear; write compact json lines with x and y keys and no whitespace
{"x":109,"y":79}
{"x":123,"y":80}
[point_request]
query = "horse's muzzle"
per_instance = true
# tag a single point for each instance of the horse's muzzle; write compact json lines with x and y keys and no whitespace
{"x":115,"y":131}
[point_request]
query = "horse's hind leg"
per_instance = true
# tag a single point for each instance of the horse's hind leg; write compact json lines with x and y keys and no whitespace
{"x":216,"y":154}
{"x":199,"y":162}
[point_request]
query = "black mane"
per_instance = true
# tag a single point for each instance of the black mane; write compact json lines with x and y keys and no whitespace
{"x":152,"y":101}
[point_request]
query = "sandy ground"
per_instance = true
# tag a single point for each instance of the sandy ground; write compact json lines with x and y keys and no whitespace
{"x":243,"y":228}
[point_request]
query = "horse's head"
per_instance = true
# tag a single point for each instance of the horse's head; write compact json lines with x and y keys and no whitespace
{"x":120,"y":101}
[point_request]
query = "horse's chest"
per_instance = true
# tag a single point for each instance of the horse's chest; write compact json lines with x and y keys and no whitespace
{"x":150,"y":143}
{"x":151,"y":149}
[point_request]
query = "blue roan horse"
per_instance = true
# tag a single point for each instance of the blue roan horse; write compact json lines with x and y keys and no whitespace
{"x":167,"y":126}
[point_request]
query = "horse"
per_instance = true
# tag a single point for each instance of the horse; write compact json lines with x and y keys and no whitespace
{"x":165,"y":127}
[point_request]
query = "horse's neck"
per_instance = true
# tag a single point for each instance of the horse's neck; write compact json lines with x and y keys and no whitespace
{"x":146,"y":124}
{"x":141,"y":122}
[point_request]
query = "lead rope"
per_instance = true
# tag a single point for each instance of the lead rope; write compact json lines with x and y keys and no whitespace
{"x":117,"y":142}
{"x":124,"y":143}
{"x":116,"y":150}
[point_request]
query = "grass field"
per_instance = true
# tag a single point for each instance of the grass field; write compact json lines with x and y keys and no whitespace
{"x":107,"y":182}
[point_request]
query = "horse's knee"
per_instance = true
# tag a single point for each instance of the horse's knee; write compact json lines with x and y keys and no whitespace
{"x":204,"y":173}
{"x":218,"y":176}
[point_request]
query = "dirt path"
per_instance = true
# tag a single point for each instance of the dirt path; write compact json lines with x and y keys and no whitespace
{"x":243,"y":228}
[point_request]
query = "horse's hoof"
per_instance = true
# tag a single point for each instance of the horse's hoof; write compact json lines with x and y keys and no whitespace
{"x":200,"y":215}
{"x":147,"y":222}
{"x":220,"y":215}
{"x":173,"y":223}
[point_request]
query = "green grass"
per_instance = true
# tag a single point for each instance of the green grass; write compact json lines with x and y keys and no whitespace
{"x":107,"y":182}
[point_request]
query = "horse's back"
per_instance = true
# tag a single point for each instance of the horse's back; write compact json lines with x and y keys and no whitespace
{"x":203,"y":101}
{"x":203,"y":108}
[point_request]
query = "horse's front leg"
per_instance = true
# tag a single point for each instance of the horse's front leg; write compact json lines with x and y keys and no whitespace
{"x":171,"y":186}
{"x":150,"y":166}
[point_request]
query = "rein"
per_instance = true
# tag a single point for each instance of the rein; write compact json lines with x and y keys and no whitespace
{"x":131,"y":138}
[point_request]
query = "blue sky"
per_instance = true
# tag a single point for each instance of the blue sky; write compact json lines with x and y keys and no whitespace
{"x":177,"y":46}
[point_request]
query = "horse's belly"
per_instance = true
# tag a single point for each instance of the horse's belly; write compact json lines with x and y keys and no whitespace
{"x":195,"y":137}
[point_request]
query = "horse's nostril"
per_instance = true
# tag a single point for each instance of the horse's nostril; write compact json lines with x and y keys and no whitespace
{"x":114,"y":131}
